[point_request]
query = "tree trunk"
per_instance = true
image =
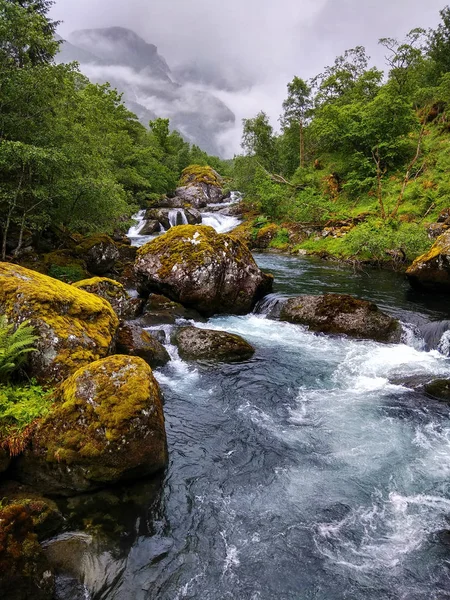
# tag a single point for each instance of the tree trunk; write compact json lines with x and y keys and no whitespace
{"x":302,"y":145}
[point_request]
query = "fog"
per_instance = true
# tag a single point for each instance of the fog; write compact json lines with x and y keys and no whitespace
{"x":255,"y":46}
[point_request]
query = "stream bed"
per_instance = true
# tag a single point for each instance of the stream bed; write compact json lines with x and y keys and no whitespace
{"x":307,"y":473}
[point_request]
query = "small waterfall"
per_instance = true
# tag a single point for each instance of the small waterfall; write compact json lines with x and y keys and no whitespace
{"x":221,"y":223}
{"x":270,"y":306}
{"x":177,"y":216}
{"x":436,"y":336}
{"x":140,"y":220}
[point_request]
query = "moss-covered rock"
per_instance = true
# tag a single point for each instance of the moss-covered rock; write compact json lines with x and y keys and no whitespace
{"x":124,"y":306}
{"x":196,"y":174}
{"x":201,"y":269}
{"x":135,"y":341}
{"x":99,"y":252}
{"x":431,"y":271}
{"x":342,"y":314}
{"x":24,"y":570}
{"x":106,"y":426}
{"x":208,"y":344}
{"x":45,"y":514}
{"x":265,"y":235}
{"x":74,"y":327}
{"x":200,"y":185}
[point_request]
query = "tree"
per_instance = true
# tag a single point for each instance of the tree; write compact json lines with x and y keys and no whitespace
{"x":404,"y":58}
{"x":438,"y":45}
{"x":258,"y":140}
{"x":296,"y":109}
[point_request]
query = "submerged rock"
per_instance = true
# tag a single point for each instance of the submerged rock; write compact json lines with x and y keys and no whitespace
{"x":24,"y":570}
{"x":208,"y":344}
{"x":431,"y":271}
{"x":160,"y":309}
{"x":439,"y":389}
{"x":342,"y":314}
{"x":135,"y":341}
{"x":124,"y":306}
{"x":201,"y":269}
{"x":106,"y":426}
{"x":74,"y":326}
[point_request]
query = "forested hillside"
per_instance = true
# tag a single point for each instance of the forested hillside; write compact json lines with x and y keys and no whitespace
{"x":71,"y":155}
{"x":361,"y":166}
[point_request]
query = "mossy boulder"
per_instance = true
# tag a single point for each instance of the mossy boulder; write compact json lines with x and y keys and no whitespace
{"x":24,"y":570}
{"x":106,"y":426}
{"x":63,"y":265}
{"x":99,"y":252}
{"x":74,"y":326}
{"x":159,"y":310}
{"x":161,"y":215}
{"x":342,"y":314}
{"x":208,"y":344}
{"x":135,"y":341}
{"x":265,"y":235}
{"x":431,"y":271}
{"x":124,"y":306}
{"x":202,"y":269}
{"x":200,"y":185}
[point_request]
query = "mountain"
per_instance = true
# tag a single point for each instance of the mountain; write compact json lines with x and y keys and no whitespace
{"x":149,"y":87}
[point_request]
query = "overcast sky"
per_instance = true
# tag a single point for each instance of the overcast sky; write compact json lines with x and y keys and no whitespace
{"x":266,"y":42}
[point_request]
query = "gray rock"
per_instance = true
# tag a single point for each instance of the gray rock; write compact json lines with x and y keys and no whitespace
{"x":207,"y":344}
{"x":135,"y":341}
{"x":342,"y":314}
{"x":193,"y":216}
{"x":149,"y":227}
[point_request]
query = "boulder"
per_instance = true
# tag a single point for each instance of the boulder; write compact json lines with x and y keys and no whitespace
{"x":124,"y":306}
{"x":106,"y":426}
{"x":201,"y":269}
{"x":161,"y":215}
{"x":99,"y":252}
{"x":74,"y":327}
{"x":160,"y":309}
{"x":208,"y":344}
{"x":151,"y":226}
{"x":24,"y":570}
{"x":431,"y":271}
{"x":200,"y":184}
{"x":193,"y":216}
{"x":135,"y":341}
{"x":342,"y":314}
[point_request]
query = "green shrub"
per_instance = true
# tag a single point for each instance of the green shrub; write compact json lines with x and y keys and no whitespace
{"x":14,"y":346}
{"x":281,"y":239}
{"x":68,"y":274}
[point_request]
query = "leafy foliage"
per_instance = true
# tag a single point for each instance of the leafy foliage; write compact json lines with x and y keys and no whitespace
{"x":15,"y":345}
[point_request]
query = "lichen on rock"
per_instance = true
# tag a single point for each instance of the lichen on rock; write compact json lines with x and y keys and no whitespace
{"x":431,"y":271}
{"x":124,"y":306}
{"x":74,"y":327}
{"x":208,"y":344}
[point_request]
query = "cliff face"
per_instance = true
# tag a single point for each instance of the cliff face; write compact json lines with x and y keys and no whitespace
{"x":136,"y":69}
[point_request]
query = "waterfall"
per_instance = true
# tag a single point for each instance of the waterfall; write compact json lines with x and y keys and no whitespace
{"x":177,"y":216}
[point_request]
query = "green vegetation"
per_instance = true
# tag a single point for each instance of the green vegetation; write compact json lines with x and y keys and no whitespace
{"x":362,"y":159}
{"x":15,"y":344}
{"x":71,"y":155}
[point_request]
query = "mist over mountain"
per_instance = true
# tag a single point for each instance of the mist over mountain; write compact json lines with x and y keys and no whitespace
{"x":133,"y":66}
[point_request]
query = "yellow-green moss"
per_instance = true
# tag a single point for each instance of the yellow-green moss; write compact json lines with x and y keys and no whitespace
{"x":70,"y":314}
{"x":195,"y":174}
{"x":93,"y":240}
{"x":113,"y":289}
{"x":96,"y":405}
{"x":441,"y":246}
{"x":191,"y":246}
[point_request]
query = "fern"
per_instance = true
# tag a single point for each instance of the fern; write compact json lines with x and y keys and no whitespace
{"x":15,"y":345}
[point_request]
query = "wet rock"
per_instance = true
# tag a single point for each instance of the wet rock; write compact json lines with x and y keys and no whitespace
{"x":24,"y":570}
{"x":161,"y":310}
{"x":161,"y":215}
{"x":45,"y":514}
{"x":431,"y":271}
{"x":124,"y":306}
{"x":207,"y":344}
{"x":106,"y":426}
{"x":74,"y":326}
{"x":99,"y":252}
{"x":342,"y":314}
{"x":135,"y":341}
{"x":438,"y":389}
{"x":265,"y":235}
{"x":201,"y":269}
{"x":193,"y":216}
{"x":151,"y":226}
{"x":167,"y":203}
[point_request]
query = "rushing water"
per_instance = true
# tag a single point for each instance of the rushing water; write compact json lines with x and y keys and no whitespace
{"x":303,"y":473}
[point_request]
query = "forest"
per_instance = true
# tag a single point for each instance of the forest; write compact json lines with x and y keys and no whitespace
{"x":362,"y":158}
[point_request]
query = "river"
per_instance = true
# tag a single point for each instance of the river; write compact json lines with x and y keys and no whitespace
{"x":307,"y":473}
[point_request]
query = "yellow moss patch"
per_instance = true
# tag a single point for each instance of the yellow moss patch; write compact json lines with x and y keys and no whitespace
{"x":441,"y":246}
{"x":195,"y":174}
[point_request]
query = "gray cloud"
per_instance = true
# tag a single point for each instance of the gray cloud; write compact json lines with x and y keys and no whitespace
{"x":259,"y":42}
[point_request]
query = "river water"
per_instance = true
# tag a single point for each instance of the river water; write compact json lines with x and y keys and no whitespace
{"x":306,"y":473}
